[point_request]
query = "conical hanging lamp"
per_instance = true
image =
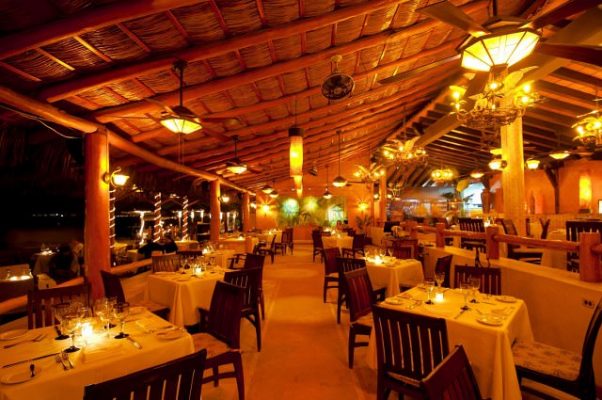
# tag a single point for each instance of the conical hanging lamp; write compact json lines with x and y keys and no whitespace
{"x":274,"y":193}
{"x":236,"y":166}
{"x":339,"y":181}
{"x":327,"y":195}
{"x":181,"y":119}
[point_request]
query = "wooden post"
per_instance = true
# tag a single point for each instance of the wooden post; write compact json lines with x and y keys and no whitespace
{"x":214,"y":205}
{"x":440,"y":236}
{"x":589,"y":263}
{"x":246,"y":212}
{"x":157,"y":218}
{"x":185,"y":219}
{"x":513,"y":176}
{"x":382,"y":203}
{"x":493,"y":246}
{"x":112,"y":193}
{"x":96,"y":223}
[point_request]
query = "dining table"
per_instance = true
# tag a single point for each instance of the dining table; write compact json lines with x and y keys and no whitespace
{"x":240,"y":244}
{"x":184,"y":245}
{"x":487,"y":331}
{"x":101,"y":357}
{"x":338,"y":240}
{"x":183,"y":293}
{"x":391,"y":272}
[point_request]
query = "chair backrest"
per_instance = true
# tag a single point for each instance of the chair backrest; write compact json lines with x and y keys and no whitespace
{"x":11,"y":289}
{"x":39,"y":302}
{"x":316,"y":238}
{"x":248,"y":279}
{"x":405,"y":248}
{"x":408,"y":344}
{"x":345,"y":264}
{"x":509,"y":227}
{"x":444,"y":266}
{"x":359,"y":241}
{"x":289,"y":234}
{"x":471,"y":224}
{"x":545,"y":226}
{"x":224,"y":313}
{"x":586,"y":369}
{"x":180,"y":379}
{"x":491,"y":278}
{"x":284,"y":236}
{"x":254,"y":261}
{"x":575,"y":228}
{"x":167,"y":262}
{"x":360,"y":295}
{"x":452,"y":379}
{"x":330,"y":256}
{"x":112,"y":285}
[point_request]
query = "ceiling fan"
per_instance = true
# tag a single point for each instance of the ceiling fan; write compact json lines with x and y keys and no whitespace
{"x":236,"y":165}
{"x":180,"y":119}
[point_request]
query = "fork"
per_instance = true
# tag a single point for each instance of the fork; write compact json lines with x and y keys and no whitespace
{"x":59,"y":360}
{"x":38,"y":338}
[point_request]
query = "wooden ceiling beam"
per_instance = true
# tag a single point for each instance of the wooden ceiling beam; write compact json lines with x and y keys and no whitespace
{"x":577,"y":77}
{"x":83,"y":22}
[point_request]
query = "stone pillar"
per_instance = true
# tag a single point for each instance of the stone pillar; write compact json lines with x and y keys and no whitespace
{"x":214,"y":205}
{"x":513,"y":176}
{"x":246,"y":212}
{"x":96,"y":223}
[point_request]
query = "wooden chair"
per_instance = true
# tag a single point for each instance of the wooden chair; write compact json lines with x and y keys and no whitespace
{"x":561,"y":369}
{"x":357,"y":246}
{"x":515,"y":251}
{"x":220,"y":327}
{"x":289,"y":238}
{"x":472,"y":225}
{"x":360,"y":299}
{"x":166,"y":263}
{"x":39,"y":302}
{"x":248,"y":279}
{"x":408,"y":347}
{"x":283,"y":244}
{"x":331,"y":274}
{"x":453,"y":379}
{"x":113,"y":288}
{"x":573,"y":231}
{"x":175,"y":380}
{"x":268,"y":251}
{"x":545,"y":227}
{"x":11,"y":289}
{"x":256,"y":261}
{"x":443,"y":265}
{"x":491,"y":278}
{"x":405,"y":248}
{"x":345,"y":265}
{"x":316,"y":238}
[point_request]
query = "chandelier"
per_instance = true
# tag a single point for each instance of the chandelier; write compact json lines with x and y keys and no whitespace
{"x":394,"y":193}
{"x":442,"y":175}
{"x":369,"y":174}
{"x":589,"y":127}
{"x":492,"y":108}
{"x":404,"y":152}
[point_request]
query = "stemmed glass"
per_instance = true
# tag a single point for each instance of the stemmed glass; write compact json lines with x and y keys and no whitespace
{"x":102,"y":309}
{"x":60,"y":310}
{"x":465,"y":287}
{"x":429,"y":284}
{"x":439,"y":278}
{"x":73,"y":323}
{"x":121,"y":312}
{"x":475,"y":283}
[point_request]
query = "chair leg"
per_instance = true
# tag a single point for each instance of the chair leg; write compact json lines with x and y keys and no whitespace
{"x":240,"y":380}
{"x":324,"y":291}
{"x":382,"y":393}
{"x":216,"y":375}
{"x":272,"y":255}
{"x":339,"y":306}
{"x":351,"y":346}
{"x":262,"y":304}
{"x":257,"y":324}
{"x":313,"y":257}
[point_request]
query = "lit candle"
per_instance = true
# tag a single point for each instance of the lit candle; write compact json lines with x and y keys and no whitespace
{"x":198,"y":271}
{"x":378,"y":260}
{"x":439,"y":297}
{"x":87,"y":330}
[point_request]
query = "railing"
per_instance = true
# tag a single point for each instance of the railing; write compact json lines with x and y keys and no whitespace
{"x":588,"y":247}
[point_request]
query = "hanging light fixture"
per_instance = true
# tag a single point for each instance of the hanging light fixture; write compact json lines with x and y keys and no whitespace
{"x":180,"y":119}
{"x":327,"y":195}
{"x":274,"y":193}
{"x":442,"y":175}
{"x":225,"y":198}
{"x":295,"y":135}
{"x":497,"y":164}
{"x":559,"y":154}
{"x":267,"y":189}
{"x":236,"y":166}
{"x":477,"y":174}
{"x":532,"y":163}
{"x":339,"y":181}
{"x":589,"y":126}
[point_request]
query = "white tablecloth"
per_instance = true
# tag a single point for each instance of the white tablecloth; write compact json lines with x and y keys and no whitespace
{"x":184,"y":245}
{"x":244,"y":245}
{"x":489,"y":348}
{"x":343,"y":242}
{"x":183,"y":294}
{"x":535,"y":230}
{"x":394,"y":273}
{"x":222,"y":257}
{"x":555,"y":258}
{"x":111,"y":359}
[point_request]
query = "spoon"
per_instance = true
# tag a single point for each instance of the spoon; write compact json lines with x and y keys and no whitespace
{"x":32,"y":368}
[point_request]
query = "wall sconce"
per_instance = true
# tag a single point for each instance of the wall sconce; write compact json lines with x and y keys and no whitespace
{"x":497,"y":164}
{"x":266,"y":209}
{"x":363,"y":206}
{"x":585,"y":193}
{"x":253,"y":205}
{"x":225,"y":198}
{"x":116,"y":178}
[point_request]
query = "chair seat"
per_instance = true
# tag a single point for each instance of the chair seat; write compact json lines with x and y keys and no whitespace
{"x":214,"y":346}
{"x":547,"y":359}
{"x":405,"y":379}
{"x":367,"y":320}
{"x":334,"y":275}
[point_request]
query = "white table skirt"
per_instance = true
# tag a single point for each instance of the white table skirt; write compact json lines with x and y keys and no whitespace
{"x":111,"y":359}
{"x":489,"y":348}
{"x":407,"y":272}
{"x":244,"y":245}
{"x":555,"y":258}
{"x":183,"y":294}
{"x":343,"y":242}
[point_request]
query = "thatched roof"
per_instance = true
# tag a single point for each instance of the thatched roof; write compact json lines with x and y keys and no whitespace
{"x":262,"y":62}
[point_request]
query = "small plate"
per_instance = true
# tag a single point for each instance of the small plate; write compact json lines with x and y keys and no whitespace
{"x":137,"y":310}
{"x":20,"y":375}
{"x":394,"y":301}
{"x":14,"y":334}
{"x":171,"y":334}
{"x":506,"y":299}
{"x":183,"y":278}
{"x":492,"y":320}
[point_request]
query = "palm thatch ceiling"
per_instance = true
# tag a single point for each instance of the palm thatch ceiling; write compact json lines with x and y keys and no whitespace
{"x":261,"y":63}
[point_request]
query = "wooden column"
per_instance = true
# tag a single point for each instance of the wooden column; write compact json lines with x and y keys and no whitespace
{"x":112,"y":193}
{"x":513,"y":176}
{"x":439,"y":236}
{"x":214,"y":195}
{"x":96,"y":223}
{"x":185,"y":219}
{"x":157,"y":229}
{"x":493,"y":247}
{"x":246,"y":212}
{"x":590,"y":269}
{"x":382,"y":203}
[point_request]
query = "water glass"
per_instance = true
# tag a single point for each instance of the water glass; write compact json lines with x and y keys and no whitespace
{"x":439,"y":278}
{"x":60,"y":310}
{"x":429,"y":284}
{"x":465,"y":287}
{"x":475,"y":283}
{"x":121,"y":312}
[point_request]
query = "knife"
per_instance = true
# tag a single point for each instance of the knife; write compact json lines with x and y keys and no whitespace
{"x":30,"y":359}
{"x":460,"y":313}
{"x":134,"y":342}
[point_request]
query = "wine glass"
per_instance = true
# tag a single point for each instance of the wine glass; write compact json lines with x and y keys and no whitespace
{"x":475,"y":283}
{"x":465,"y":287}
{"x":429,"y":284}
{"x":121,"y":312}
{"x":60,"y":310}
{"x":439,"y":278}
{"x":102,"y":309}
{"x":72,"y":323}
